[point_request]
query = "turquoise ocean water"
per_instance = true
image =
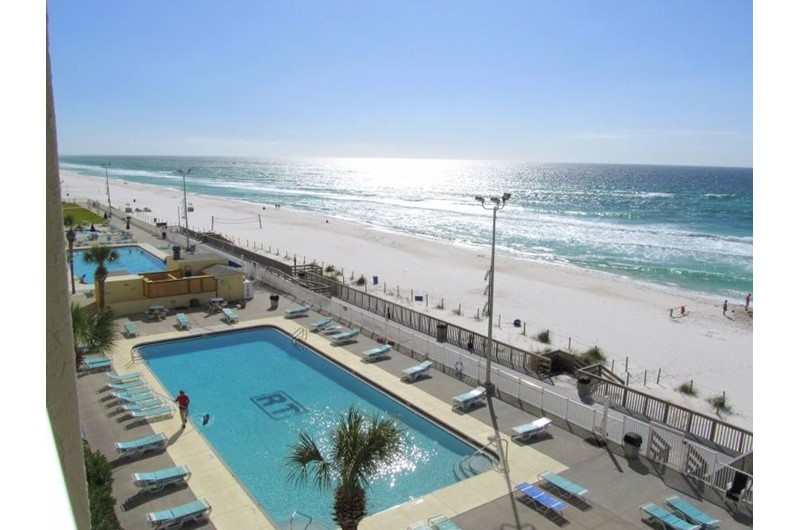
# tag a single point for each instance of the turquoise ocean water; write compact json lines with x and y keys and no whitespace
{"x":689,"y":227}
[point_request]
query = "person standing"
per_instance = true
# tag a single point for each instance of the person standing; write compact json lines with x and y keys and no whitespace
{"x":747,"y":302}
{"x":183,"y":407}
{"x":725,"y":307}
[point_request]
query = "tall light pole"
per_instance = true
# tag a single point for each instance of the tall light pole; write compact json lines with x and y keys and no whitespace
{"x":108,"y":190}
{"x":495,"y":203}
{"x":185,"y":209}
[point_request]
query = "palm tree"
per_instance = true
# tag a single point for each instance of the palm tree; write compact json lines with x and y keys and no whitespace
{"x":69,"y":222}
{"x":99,"y":255}
{"x":92,"y":332}
{"x":360,"y":447}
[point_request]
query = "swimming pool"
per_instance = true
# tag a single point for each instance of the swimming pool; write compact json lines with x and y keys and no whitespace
{"x":261,"y":389}
{"x":133,"y":259}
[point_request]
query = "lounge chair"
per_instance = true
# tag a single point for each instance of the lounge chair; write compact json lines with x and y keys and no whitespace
{"x":297,"y":312}
{"x":229,"y":315}
{"x":183,"y":321}
{"x":137,"y":395}
{"x":467,"y":400}
{"x":415,"y":372}
{"x":529,"y":430}
{"x":420,"y":525}
{"x":176,"y":517}
{"x":318,"y":325}
{"x":374,"y":354}
{"x":691,"y":512}
{"x":128,"y":385}
{"x":124,"y":378}
{"x":139,"y":446}
{"x":331,"y":329}
{"x":564,"y":485}
{"x":95,"y":365}
{"x":542,"y":500}
{"x":656,"y":514}
{"x":131,"y":330}
{"x":344,"y":337}
{"x":148,"y":414}
{"x":150,"y":403}
{"x":442,"y":522}
{"x":160,"y":479}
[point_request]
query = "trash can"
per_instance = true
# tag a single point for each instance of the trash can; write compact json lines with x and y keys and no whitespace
{"x":374,"y":280}
{"x":273,"y":301}
{"x":631,"y":443}
{"x":584,"y":387}
{"x":441,"y":332}
{"x":176,"y":252}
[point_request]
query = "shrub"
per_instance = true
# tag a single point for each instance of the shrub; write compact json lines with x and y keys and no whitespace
{"x":99,"y":482}
{"x":719,"y":402}
{"x":687,"y":388}
{"x":593,"y":356}
{"x":544,"y":336}
{"x":361,"y":280}
{"x":330,"y":268}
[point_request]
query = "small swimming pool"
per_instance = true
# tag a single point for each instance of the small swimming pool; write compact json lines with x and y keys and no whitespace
{"x":133,"y":259}
{"x":261,"y":389}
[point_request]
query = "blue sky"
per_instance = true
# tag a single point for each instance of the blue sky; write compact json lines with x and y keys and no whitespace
{"x":558,"y":81}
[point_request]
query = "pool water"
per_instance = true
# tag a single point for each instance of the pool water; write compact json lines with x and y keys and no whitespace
{"x":132,"y":259}
{"x":260,"y":389}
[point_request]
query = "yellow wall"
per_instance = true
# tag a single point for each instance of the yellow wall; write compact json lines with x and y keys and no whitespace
{"x":196,"y":265}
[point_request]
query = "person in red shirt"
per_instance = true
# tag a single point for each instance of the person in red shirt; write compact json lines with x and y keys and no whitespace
{"x":183,"y":407}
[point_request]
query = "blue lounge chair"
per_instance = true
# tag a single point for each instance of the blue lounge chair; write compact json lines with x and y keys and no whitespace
{"x":92,"y":365}
{"x":564,"y":485}
{"x":183,"y":321}
{"x":318,"y":325}
{"x":143,"y":405}
{"x":124,"y":378}
{"x":529,"y":430}
{"x":374,"y":354}
{"x":415,"y":372}
{"x":160,"y":479}
{"x":656,"y":514}
{"x":468,"y":400}
{"x":148,"y":414}
{"x":135,"y":395}
{"x":542,"y":500}
{"x":139,"y":446}
{"x":131,"y":330}
{"x":297,"y":312}
{"x":176,"y":517}
{"x":127,"y":385}
{"x":691,"y":512}
{"x":229,"y":315}
{"x":344,"y":337}
{"x":331,"y":329}
{"x":442,"y":522}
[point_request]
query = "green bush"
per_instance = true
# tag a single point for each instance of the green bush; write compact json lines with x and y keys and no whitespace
{"x":544,"y":336}
{"x":361,"y":280}
{"x":687,"y":388}
{"x":99,"y":482}
{"x":330,"y":268}
{"x":593,"y":355}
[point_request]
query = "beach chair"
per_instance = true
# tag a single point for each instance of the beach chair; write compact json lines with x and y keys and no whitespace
{"x":139,"y":446}
{"x":542,"y":501}
{"x":150,"y":403}
{"x":149,"y":414}
{"x":128,"y":385}
{"x":318,"y":325}
{"x":158,"y":480}
{"x":183,"y":321}
{"x":566,"y":486}
{"x":131,"y":330}
{"x":374,"y":354}
{"x":344,"y":337}
{"x":420,"y":525}
{"x":652,"y":513}
{"x":135,"y":395}
{"x":469,"y":399}
{"x":178,"y":516}
{"x":331,"y":329}
{"x":229,"y":315}
{"x":297,"y":312}
{"x":529,"y":430}
{"x":92,"y":365}
{"x":415,"y":372}
{"x":442,"y":522}
{"x":690,"y":512}
{"x":124,"y":378}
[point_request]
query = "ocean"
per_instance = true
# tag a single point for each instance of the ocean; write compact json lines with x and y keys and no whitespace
{"x":678,"y":226}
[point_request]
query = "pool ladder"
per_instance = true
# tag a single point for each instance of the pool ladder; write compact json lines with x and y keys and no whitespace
{"x":300,"y":334}
{"x":291,"y":521}
{"x":463,"y":469}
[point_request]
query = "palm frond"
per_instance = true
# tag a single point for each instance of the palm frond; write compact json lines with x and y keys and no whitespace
{"x":304,"y":460}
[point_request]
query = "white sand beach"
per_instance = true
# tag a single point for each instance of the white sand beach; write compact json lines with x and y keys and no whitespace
{"x":629,"y":321}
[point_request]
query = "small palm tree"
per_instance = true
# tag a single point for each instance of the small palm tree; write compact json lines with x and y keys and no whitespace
{"x":69,"y":222}
{"x":99,"y":255}
{"x":360,"y":447}
{"x":92,"y":332}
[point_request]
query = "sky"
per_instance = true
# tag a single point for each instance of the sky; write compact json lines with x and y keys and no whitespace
{"x":626,"y":81}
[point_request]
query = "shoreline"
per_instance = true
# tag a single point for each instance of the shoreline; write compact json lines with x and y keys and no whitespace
{"x":627,"y":318}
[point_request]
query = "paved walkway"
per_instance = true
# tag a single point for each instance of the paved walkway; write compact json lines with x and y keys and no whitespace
{"x":617,"y":487}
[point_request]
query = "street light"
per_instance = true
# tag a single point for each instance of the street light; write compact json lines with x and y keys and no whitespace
{"x":185,"y":210}
{"x":108,"y":189}
{"x":495,"y":203}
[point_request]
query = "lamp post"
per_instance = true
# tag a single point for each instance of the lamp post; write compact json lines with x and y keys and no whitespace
{"x":495,"y":203}
{"x":108,"y":190}
{"x":185,"y":209}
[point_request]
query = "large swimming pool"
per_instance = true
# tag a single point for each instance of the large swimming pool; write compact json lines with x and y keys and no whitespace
{"x":261,"y":389}
{"x":132,"y":259}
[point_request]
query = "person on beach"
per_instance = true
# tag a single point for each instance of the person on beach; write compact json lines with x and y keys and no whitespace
{"x":183,"y":407}
{"x":725,"y":307}
{"x":747,"y":302}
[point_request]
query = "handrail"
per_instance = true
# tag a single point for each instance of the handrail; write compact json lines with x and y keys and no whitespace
{"x":300,"y":334}
{"x":296,"y":512}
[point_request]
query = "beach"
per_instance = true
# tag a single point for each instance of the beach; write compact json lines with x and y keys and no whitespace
{"x":628,"y":320}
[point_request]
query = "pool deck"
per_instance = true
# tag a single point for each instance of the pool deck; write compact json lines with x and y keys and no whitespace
{"x":617,"y":486}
